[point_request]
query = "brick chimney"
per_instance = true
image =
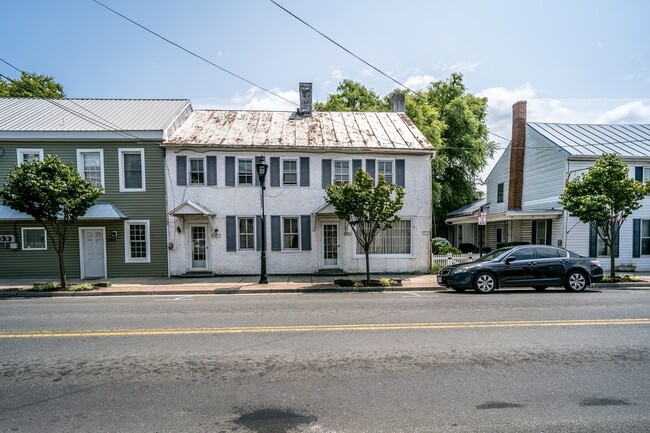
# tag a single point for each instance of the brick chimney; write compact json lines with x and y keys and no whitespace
{"x":517,"y":153}
{"x":305,"y":91}
{"x":397,"y":103}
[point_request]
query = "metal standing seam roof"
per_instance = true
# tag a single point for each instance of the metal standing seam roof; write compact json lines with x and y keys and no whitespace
{"x":89,"y":115}
{"x":381,"y":131}
{"x":98,"y":211}
{"x":628,"y":140}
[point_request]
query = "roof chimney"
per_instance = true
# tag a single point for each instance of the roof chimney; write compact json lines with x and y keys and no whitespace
{"x":397,"y":103}
{"x":305,"y":99}
{"x":517,"y":153}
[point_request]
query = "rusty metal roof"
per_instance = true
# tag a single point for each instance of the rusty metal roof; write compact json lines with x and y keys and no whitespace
{"x":341,"y":131}
{"x":594,"y":140}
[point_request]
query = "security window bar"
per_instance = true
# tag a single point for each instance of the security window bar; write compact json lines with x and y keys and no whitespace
{"x":197,"y":171}
{"x":245,"y":172}
{"x":290,"y":237}
{"x":246,"y":234}
{"x":290,"y":172}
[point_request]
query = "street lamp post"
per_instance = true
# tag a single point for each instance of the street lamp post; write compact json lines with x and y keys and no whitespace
{"x":261,"y":168}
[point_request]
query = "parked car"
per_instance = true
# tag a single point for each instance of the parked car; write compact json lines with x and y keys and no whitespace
{"x":537,"y":266}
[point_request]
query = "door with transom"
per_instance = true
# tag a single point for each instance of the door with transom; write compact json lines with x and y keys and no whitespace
{"x":330,"y":245}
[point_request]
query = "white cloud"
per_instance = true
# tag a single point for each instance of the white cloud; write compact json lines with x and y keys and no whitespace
{"x":632,"y":112}
{"x":336,"y":73}
{"x":418,"y":82}
{"x":462,"y":67}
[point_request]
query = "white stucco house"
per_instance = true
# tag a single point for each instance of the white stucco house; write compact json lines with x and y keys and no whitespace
{"x":523,"y":189}
{"x":213,"y":194}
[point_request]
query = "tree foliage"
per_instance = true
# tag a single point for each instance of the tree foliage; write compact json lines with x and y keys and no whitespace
{"x":604,"y":197}
{"x":54,"y":194}
{"x":31,"y":85}
{"x":454,"y":122}
{"x":368,"y":208}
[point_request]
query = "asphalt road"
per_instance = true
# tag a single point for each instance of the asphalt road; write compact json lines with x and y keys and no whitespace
{"x":513,"y":361}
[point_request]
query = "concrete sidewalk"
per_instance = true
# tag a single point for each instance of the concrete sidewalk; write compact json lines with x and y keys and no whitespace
{"x":245,"y":284}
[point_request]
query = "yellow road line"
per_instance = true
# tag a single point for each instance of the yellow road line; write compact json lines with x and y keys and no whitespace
{"x":319,"y":328}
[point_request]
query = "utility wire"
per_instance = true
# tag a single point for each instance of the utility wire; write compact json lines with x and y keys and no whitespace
{"x":192,"y":53}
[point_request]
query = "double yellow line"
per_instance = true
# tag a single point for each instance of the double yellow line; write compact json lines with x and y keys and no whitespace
{"x":319,"y":328}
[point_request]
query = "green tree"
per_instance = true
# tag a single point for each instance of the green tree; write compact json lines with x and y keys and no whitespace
{"x":31,"y":85}
{"x":54,"y":194}
{"x":368,"y":208}
{"x":454,"y":122}
{"x":604,"y":197}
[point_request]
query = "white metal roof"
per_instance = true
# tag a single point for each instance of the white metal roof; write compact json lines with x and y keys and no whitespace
{"x":594,"y":140}
{"x":26,"y":115}
{"x":384,"y":131}
{"x":98,"y":211}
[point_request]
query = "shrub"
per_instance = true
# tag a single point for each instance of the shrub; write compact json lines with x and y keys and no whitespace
{"x":80,"y":287}
{"x":438,"y":243}
{"x":436,"y":268}
{"x":387,"y":282}
{"x":46,"y":287}
{"x":449,"y":249}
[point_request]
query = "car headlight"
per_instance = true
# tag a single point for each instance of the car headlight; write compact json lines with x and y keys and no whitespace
{"x":462,"y":269}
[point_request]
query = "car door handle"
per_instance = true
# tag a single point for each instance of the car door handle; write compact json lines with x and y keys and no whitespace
{"x":532,"y":263}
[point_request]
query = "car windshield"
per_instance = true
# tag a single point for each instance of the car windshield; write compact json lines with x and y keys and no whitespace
{"x":495,"y":255}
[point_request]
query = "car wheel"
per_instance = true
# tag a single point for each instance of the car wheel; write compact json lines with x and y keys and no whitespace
{"x":485,"y":283}
{"x":459,"y":289}
{"x":575,"y":281}
{"x":539,"y":287}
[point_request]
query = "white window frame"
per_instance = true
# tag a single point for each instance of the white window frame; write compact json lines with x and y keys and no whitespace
{"x":642,"y":237}
{"x":189,"y":170}
{"x":358,"y":251}
{"x":284,"y":218}
{"x":297,"y":162}
{"x":23,"y":151}
{"x":392,"y":170}
{"x":24,"y":244}
{"x":646,"y":174}
{"x":543,"y":232}
{"x":120,"y":163}
{"x":239,"y":248}
{"x":80,"y":163}
{"x":253,"y":174}
{"x":334,"y":162}
{"x":127,"y":241}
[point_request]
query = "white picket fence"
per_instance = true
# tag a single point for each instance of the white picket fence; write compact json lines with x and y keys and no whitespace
{"x":453,"y":259}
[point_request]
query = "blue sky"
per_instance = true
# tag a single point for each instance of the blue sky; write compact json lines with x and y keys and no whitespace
{"x":573,"y":61}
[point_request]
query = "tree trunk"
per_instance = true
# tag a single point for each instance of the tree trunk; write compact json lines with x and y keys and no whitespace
{"x":367,"y":265}
{"x":64,"y":281}
{"x":612,"y":261}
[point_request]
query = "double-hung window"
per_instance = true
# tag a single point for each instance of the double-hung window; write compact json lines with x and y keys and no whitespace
{"x":645,"y":237}
{"x":246,"y":233}
{"x":385,"y":168}
{"x":137,"y":241}
{"x":290,"y":234}
{"x":396,"y":240}
{"x":131,"y":166}
{"x":34,"y":238}
{"x":27,"y":155}
{"x":196,"y":169}
{"x":646,"y":174}
{"x":90,"y":165}
{"x":500,"y":193}
{"x":289,"y":172}
{"x":541,"y":232}
{"x":245,"y":172}
{"x":341,"y":172}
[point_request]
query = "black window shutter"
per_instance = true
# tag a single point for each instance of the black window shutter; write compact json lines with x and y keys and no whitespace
{"x":305,"y":232}
{"x":399,"y":172}
{"x":638,"y":173}
{"x":181,"y":170}
{"x":211,"y":162}
{"x":276,"y":233}
{"x":304,"y":171}
{"x":549,"y":232}
{"x":258,"y":232}
{"x":593,"y":241}
{"x":327,"y":172}
{"x":230,"y":171}
{"x":533,"y":235}
{"x":231,"y":233}
{"x":356,"y":165}
{"x":636,"y":237}
{"x":370,"y":168}
{"x":275,"y":171}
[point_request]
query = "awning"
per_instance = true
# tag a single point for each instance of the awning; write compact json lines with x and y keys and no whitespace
{"x":326,"y":209}
{"x":98,"y":211}
{"x":189,"y":208}
{"x":508,"y":216}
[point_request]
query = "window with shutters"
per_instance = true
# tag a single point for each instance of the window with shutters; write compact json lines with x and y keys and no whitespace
{"x":396,"y":240}
{"x":131,"y":166}
{"x":386,"y":168}
{"x":341,"y":172}
{"x":645,"y":237}
{"x":90,"y":165}
{"x":289,"y":172}
{"x":602,"y":249}
{"x":290,"y":234}
{"x":245,"y":171}
{"x":196,"y":171}
{"x":246,"y":233}
{"x":540,"y":237}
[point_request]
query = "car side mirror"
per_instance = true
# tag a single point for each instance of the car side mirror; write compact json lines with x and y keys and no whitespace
{"x":510,"y":259}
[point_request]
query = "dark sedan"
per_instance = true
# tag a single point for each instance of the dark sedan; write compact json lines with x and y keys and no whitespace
{"x":537,"y":266}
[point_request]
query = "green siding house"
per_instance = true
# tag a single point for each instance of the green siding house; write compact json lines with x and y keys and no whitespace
{"x":113,"y":143}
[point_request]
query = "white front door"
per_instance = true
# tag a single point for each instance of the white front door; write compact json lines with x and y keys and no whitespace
{"x":198,"y":247}
{"x":330,"y":245}
{"x":93,"y":260}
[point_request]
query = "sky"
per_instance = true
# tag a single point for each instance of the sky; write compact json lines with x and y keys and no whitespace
{"x":573,"y":61}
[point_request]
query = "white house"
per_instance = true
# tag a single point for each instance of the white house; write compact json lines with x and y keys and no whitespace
{"x":213,"y":193}
{"x":523,"y":189}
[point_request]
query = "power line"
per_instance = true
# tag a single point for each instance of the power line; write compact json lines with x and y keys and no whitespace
{"x":192,"y":53}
